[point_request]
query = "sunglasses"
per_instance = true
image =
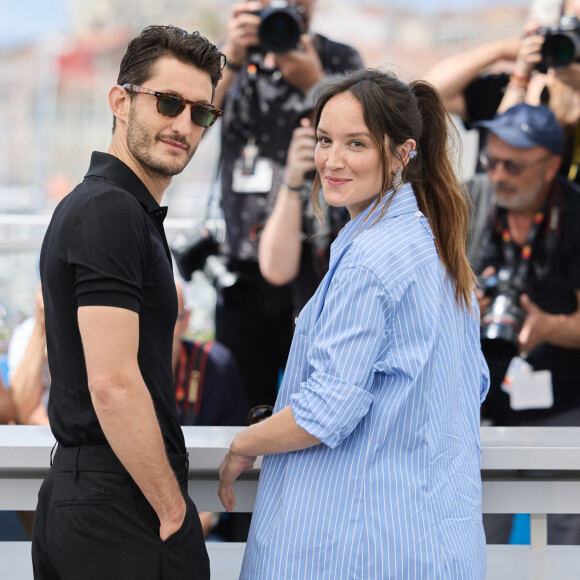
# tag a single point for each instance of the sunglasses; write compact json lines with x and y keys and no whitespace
{"x":259,"y":413}
{"x":512,"y":168}
{"x":170,"y":105}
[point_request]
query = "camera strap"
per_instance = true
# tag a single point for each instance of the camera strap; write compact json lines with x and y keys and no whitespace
{"x":245,"y":104}
{"x":575,"y":162}
{"x":190,"y":379}
{"x":549,"y":215}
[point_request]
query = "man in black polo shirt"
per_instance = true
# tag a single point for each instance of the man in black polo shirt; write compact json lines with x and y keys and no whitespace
{"x":525,"y":228}
{"x":115,"y":503}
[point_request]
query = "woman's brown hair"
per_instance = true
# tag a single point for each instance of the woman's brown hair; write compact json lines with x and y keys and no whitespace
{"x":400,"y":112}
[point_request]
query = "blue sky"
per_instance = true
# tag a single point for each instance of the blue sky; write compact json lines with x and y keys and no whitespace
{"x":23,"y":21}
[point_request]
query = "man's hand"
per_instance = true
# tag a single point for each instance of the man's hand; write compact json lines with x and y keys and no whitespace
{"x":483,"y":300}
{"x":242,"y":31}
{"x":301,"y":67}
{"x":169,"y":525}
{"x":125,"y":409}
{"x":232,"y":465}
{"x":529,"y":55}
{"x":569,"y":74}
{"x":538,"y":325}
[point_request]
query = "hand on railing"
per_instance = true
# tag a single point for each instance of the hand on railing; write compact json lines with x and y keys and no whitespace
{"x":230,"y":468}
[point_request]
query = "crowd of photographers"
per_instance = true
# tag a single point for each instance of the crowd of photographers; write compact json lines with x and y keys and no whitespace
{"x":273,"y":61}
{"x":524,"y":239}
{"x":522,"y":94}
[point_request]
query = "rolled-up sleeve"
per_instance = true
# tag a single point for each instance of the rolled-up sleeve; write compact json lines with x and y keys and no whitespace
{"x":347,"y":339}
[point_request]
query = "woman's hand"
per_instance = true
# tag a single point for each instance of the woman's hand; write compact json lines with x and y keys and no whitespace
{"x":232,"y":465}
{"x":277,"y":434}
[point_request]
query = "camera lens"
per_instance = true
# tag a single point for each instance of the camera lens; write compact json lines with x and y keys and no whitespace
{"x":559,"y":50}
{"x":502,"y":324}
{"x":280,"y":29}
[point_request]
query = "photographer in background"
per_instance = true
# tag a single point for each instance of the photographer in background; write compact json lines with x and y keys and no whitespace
{"x":262,"y":91}
{"x":525,"y":222}
{"x":294,"y":245}
{"x":488,"y":79}
{"x":546,"y":72}
{"x":7,"y":407}
{"x":28,"y":367}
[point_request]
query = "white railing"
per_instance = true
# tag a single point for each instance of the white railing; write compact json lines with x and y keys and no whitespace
{"x":550,"y":484}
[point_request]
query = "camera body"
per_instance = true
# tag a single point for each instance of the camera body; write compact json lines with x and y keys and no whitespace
{"x":191,"y":251}
{"x":562,"y":42}
{"x":282,"y":24}
{"x":198,"y":251}
{"x":503,"y":321}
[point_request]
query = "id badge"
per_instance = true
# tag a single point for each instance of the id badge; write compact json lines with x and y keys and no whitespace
{"x":259,"y":181}
{"x":517,"y":370}
{"x":533,"y":392}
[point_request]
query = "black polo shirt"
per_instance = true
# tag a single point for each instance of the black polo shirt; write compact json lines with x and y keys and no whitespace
{"x":106,"y":246}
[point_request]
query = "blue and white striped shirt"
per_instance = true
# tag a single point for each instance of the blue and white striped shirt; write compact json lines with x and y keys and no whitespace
{"x":386,"y":370}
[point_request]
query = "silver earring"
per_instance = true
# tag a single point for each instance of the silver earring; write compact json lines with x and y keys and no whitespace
{"x":397,"y":180}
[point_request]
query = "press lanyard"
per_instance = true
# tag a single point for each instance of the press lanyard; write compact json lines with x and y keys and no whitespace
{"x":551,"y":209}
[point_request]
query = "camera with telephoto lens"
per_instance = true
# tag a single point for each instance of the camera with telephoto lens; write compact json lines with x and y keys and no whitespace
{"x":217,"y":272}
{"x":197,"y":251}
{"x":562,"y":43}
{"x":503,"y":320}
{"x":282,"y":24}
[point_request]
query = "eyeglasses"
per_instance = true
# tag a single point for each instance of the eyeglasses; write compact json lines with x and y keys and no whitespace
{"x":512,"y":168}
{"x":171,"y":105}
{"x":259,"y":413}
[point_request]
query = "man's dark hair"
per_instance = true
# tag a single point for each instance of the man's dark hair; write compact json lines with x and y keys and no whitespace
{"x":157,"y":41}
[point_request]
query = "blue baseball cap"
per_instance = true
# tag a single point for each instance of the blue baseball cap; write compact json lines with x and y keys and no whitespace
{"x":525,"y":126}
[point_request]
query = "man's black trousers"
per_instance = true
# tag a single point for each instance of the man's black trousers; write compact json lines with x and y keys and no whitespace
{"x":93,"y":523}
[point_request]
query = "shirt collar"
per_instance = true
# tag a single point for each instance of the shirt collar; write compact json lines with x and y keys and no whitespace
{"x":402,"y":202}
{"x":113,"y":169}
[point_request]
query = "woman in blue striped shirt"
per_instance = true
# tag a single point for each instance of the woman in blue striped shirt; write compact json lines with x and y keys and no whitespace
{"x":372,"y":466}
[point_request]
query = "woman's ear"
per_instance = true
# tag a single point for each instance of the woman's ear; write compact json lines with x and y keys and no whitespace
{"x":405,"y":148}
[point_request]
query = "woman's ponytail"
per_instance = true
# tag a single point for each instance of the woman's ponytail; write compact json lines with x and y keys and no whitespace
{"x":437,"y":188}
